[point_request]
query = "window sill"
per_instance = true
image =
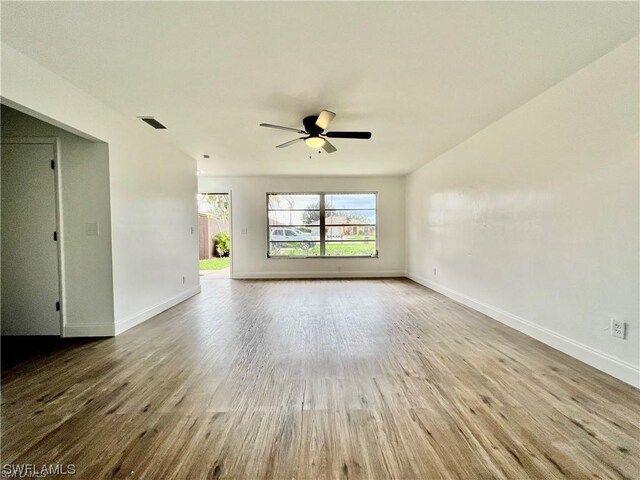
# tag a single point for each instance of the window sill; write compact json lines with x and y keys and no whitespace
{"x":299,"y":257}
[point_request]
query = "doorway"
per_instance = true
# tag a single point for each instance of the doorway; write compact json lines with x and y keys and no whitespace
{"x":214,"y":234}
{"x":30,"y":255}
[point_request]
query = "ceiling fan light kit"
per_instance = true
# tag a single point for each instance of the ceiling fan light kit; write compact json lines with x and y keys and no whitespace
{"x":315,"y":142}
{"x":314,"y":128}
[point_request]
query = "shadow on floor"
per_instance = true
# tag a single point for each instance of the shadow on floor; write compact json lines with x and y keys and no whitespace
{"x":17,"y":349}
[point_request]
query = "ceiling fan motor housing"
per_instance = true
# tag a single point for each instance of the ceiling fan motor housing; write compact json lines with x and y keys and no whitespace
{"x":310,"y":125}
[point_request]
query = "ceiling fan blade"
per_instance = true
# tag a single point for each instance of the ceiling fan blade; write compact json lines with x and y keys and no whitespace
{"x":362,"y":135}
{"x":324,"y":119}
{"x":279,"y":127}
{"x":290,"y":142}
{"x":328,"y":147}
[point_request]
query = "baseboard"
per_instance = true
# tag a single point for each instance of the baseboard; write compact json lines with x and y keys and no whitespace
{"x":292,"y":275}
{"x":133,"y":320}
{"x":613,"y":366}
{"x":89,"y":330}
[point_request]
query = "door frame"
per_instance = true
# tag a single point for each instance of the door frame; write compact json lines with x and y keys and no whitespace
{"x":230,"y":225}
{"x":57,"y":182}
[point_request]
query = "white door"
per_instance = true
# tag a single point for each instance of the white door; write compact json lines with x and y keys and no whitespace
{"x":30,"y":282}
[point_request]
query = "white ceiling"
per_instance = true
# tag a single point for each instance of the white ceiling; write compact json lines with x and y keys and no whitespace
{"x":421,"y":76}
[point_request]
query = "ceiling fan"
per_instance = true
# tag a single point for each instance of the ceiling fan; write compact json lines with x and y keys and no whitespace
{"x":316,"y":136}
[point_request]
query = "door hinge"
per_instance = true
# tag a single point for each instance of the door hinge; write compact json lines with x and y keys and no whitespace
{"x":55,"y":236}
{"x":57,"y":306}
{"x":53,"y":164}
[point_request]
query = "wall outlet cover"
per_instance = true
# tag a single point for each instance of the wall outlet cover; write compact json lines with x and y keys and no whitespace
{"x":618,"y":328}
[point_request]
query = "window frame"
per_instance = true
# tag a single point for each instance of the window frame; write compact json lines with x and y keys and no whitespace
{"x":322,"y":224}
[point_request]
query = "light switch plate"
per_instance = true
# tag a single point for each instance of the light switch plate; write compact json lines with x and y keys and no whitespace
{"x":91,"y":229}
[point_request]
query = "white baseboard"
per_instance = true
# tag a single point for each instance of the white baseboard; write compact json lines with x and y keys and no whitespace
{"x":138,"y":318}
{"x":613,"y":366}
{"x":89,"y":330}
{"x":285,"y":275}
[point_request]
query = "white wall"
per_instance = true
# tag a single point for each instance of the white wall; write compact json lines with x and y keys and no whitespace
{"x":83,"y":167}
{"x":153,"y":190}
{"x":249,"y":211}
{"x":535,"y":219}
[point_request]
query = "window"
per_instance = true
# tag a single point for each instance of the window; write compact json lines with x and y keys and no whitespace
{"x":322,"y":225}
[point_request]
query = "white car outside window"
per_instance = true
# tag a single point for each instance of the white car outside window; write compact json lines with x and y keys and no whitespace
{"x":292,"y":235}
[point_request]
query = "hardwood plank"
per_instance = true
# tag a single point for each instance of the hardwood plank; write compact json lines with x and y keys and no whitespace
{"x":319,"y":379}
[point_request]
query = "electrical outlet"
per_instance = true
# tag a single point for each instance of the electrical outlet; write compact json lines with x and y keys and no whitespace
{"x":435,"y":271}
{"x":618,"y":328}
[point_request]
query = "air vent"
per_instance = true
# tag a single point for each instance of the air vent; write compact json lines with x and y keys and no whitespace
{"x":153,"y":122}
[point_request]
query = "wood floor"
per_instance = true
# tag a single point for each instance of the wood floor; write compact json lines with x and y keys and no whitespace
{"x":319,"y":379}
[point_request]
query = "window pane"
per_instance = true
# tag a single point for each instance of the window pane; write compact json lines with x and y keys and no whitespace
{"x":363,"y":233}
{"x":294,"y":202}
{"x":294,"y":217}
{"x":294,"y":234}
{"x":350,"y":201}
{"x":349,"y":224}
{"x":350,"y":217}
{"x":288,"y":249}
{"x":337,"y":249}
